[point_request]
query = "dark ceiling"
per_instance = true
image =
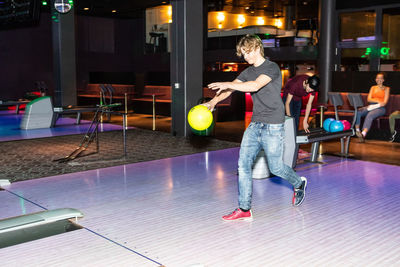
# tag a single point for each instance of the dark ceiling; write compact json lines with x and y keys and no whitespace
{"x":123,"y":8}
{"x":135,"y":8}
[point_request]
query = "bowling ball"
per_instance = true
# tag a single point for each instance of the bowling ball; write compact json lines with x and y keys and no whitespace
{"x":327,"y":123}
{"x":346,"y":125}
{"x":336,"y":126}
{"x":206,"y":132}
{"x":200,"y":118}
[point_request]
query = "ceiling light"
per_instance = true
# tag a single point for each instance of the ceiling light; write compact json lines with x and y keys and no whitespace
{"x":278,"y":23}
{"x":220,"y":17}
{"x":260,"y":21}
{"x":241,"y":19}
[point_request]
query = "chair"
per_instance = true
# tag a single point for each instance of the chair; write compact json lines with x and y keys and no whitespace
{"x":356,"y":101}
{"x":107,"y":91}
{"x":337,"y":101}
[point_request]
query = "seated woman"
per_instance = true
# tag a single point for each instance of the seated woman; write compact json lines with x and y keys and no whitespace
{"x":377,"y":98}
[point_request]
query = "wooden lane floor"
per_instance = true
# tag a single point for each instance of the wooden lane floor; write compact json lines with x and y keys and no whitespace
{"x":372,"y":150}
{"x":168,"y":212}
{"x":10,"y":127}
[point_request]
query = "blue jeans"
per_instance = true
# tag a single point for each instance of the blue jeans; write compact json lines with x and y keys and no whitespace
{"x":270,"y":137}
{"x":295,"y":110}
{"x":369,"y":116}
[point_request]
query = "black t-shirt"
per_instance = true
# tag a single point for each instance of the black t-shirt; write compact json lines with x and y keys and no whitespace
{"x":267,"y":102}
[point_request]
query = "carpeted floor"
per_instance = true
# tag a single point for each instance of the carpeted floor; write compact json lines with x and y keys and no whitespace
{"x":34,"y":158}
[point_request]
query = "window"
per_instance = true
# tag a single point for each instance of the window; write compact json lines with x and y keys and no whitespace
{"x":357,"y":26}
{"x":355,"y":59}
{"x":390,"y":49}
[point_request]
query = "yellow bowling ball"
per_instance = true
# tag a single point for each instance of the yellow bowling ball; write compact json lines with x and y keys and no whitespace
{"x":200,"y":118}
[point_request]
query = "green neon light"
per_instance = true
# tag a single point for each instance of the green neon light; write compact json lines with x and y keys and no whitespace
{"x":44,"y":3}
{"x":384,"y":42}
{"x":385,"y":51}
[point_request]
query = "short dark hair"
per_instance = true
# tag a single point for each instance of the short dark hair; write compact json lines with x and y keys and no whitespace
{"x":313,"y":82}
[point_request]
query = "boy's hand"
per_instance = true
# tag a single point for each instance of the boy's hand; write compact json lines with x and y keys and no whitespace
{"x":220,"y":86}
{"x":209,"y":105}
{"x":305,"y":126}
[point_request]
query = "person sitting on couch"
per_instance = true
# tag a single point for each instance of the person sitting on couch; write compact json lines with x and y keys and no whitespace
{"x":378,"y":97}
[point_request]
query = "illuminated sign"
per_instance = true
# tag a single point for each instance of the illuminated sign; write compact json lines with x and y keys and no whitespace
{"x":383,"y":52}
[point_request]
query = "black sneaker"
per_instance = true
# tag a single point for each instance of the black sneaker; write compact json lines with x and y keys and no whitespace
{"x":360,"y":136}
{"x":393,"y":136}
{"x":300,"y":193}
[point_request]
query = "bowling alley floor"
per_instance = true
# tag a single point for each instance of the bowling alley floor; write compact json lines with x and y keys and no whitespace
{"x":10,"y":130}
{"x":167,"y":211}
{"x":372,"y":150}
{"x":30,"y":154}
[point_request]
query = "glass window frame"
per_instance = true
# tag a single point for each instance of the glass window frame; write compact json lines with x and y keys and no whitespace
{"x":373,"y":44}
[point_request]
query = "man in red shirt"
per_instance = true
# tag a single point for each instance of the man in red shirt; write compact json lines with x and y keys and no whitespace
{"x":293,"y":92}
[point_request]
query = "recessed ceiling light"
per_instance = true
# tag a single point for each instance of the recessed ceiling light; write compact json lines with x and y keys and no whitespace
{"x":85,"y":8}
{"x":114,"y":11}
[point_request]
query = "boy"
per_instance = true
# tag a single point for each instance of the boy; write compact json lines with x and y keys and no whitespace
{"x":295,"y":89}
{"x":266,"y":130}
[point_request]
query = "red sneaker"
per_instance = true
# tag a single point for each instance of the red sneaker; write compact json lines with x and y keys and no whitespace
{"x":239,"y":215}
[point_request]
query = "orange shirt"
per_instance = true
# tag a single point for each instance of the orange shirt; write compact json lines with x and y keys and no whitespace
{"x":378,"y":94}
